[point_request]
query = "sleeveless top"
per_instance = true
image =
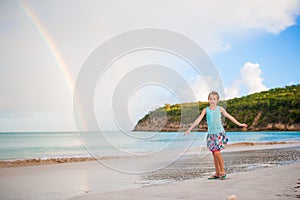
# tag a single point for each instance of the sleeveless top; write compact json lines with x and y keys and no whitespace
{"x":214,"y":122}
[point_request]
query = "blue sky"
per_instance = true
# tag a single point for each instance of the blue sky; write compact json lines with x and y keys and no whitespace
{"x":255,"y":46}
{"x":277,"y":54}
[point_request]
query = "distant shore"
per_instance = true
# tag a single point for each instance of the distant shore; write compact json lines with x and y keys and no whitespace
{"x":273,"y":110}
{"x":177,"y":127}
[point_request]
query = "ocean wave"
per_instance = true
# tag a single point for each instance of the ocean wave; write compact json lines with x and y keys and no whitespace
{"x":203,"y":148}
{"x":53,"y":160}
{"x":239,"y":144}
{"x":42,"y":161}
{"x":57,"y":160}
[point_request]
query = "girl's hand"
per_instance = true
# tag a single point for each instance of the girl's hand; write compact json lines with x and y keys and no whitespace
{"x":187,"y":132}
{"x":244,"y":125}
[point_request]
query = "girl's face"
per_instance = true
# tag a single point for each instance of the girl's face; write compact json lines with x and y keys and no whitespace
{"x":213,"y":100}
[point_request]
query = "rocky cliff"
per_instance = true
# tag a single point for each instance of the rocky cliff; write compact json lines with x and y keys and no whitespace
{"x":163,"y":125}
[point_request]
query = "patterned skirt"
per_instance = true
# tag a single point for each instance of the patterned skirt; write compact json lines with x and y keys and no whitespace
{"x":216,"y":142}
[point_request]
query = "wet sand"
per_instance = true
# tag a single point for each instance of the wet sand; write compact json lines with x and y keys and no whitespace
{"x":275,"y":183}
{"x":236,"y":160}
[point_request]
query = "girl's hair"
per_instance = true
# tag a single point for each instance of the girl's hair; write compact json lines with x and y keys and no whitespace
{"x":214,"y":93}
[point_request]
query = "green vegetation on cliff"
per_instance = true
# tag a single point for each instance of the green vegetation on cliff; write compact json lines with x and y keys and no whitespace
{"x":275,"y":106}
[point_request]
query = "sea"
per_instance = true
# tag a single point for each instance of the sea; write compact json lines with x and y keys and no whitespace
{"x":45,"y":145}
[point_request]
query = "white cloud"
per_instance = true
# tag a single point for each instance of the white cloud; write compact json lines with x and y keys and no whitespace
{"x":36,"y":83}
{"x":233,"y":90}
{"x":34,"y":121}
{"x":250,"y":80}
{"x":202,"y":85}
{"x":251,"y":75}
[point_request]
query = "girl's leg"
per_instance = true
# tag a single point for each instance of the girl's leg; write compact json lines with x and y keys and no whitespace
{"x":217,"y":165}
{"x":220,"y":162}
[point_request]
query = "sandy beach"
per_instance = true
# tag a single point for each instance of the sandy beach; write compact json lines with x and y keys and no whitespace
{"x":276,"y":183}
{"x":255,"y":171}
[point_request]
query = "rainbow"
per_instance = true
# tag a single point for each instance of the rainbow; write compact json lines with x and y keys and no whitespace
{"x":50,"y":44}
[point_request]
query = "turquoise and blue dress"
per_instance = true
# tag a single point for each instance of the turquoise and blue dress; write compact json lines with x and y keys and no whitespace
{"x":216,"y":137}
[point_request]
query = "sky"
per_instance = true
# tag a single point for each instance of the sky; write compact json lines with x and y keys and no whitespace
{"x":254,"y":46}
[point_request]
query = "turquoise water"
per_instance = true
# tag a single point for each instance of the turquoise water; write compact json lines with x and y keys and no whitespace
{"x":26,"y":145}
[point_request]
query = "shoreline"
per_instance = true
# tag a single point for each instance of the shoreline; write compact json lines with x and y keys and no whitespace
{"x":59,"y":160}
{"x":95,"y":180}
{"x":56,"y":160}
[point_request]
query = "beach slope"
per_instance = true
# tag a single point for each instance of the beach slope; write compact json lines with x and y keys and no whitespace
{"x":282,"y":182}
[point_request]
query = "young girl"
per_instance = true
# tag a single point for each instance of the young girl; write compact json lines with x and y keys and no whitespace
{"x":216,"y":138}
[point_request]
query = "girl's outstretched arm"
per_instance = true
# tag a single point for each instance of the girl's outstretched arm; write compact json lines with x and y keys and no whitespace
{"x":196,"y":122}
{"x":231,"y":118}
